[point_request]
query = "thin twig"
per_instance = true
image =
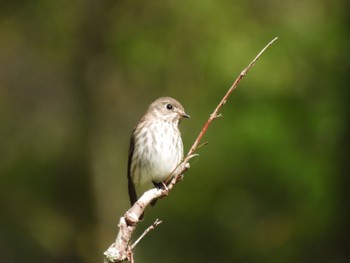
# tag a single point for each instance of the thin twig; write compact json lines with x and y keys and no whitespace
{"x":150,"y":228}
{"x":216,"y":114}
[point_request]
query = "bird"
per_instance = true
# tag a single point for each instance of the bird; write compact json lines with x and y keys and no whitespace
{"x":156,"y":147}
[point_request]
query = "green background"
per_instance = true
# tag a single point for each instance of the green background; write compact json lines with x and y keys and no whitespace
{"x":271,"y":186}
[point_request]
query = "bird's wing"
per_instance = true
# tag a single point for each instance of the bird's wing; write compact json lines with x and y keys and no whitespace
{"x":131,"y":187}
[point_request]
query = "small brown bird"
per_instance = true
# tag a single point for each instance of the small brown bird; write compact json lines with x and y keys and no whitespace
{"x":155,"y":146}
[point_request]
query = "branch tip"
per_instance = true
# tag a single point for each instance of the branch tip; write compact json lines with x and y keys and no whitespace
{"x":151,"y":227}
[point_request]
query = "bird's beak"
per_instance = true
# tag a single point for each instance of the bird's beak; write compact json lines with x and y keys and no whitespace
{"x":185,"y":115}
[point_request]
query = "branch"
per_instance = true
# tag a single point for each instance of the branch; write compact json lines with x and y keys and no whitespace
{"x":216,"y":114}
{"x":121,"y":249}
{"x":150,"y":228}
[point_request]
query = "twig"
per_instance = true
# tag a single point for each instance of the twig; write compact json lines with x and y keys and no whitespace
{"x":120,"y":250}
{"x":150,"y":228}
{"x":216,"y":114}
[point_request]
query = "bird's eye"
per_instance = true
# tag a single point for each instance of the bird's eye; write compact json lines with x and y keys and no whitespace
{"x":169,"y":106}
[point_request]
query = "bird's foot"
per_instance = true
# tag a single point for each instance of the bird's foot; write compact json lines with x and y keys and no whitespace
{"x":161,"y":185}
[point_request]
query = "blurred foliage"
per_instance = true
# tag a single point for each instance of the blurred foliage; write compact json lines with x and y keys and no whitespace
{"x":271,"y":186}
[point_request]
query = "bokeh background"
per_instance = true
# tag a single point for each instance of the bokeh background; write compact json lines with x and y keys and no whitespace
{"x":271,"y":186}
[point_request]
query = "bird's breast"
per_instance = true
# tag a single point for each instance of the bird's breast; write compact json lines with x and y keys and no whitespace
{"x":161,"y":151}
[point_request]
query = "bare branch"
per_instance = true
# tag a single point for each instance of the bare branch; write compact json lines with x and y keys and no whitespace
{"x":216,"y":114}
{"x":120,"y":250}
{"x":150,"y":228}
